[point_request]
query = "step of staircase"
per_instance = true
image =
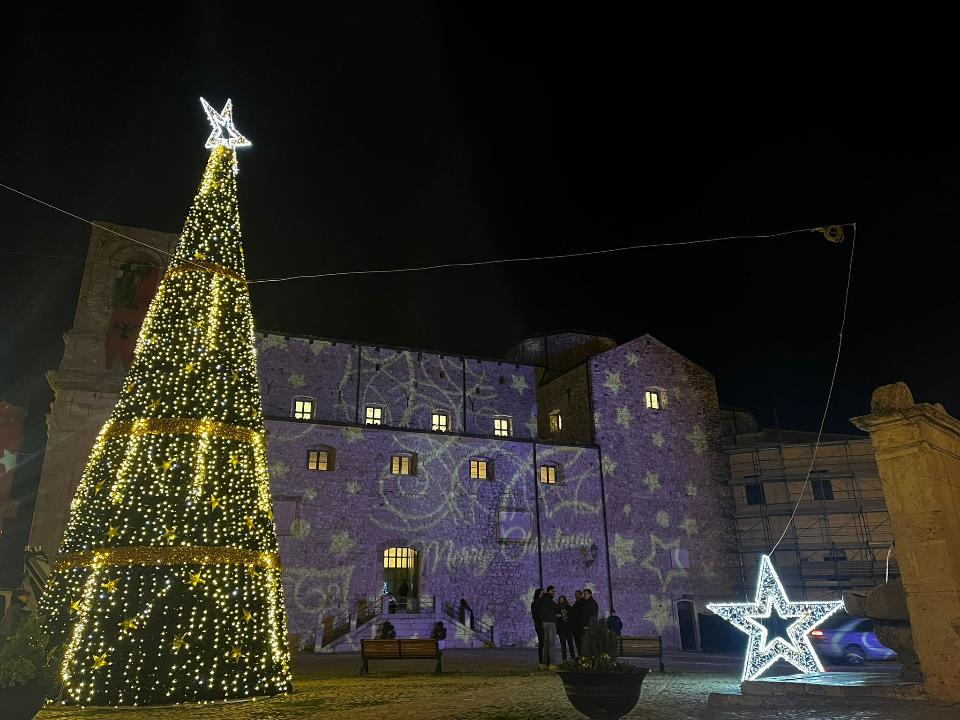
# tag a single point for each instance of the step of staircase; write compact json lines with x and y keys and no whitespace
{"x":418,"y":625}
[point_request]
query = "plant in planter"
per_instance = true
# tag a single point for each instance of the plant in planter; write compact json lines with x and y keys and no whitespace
{"x":29,"y":673}
{"x":598,"y":685}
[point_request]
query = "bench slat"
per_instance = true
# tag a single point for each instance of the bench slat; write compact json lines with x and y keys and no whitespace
{"x":642,"y":646}
{"x":400,"y":649}
{"x":418,"y":648}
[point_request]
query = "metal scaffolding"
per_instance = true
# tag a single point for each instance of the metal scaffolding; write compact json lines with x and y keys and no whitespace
{"x":841,"y":536}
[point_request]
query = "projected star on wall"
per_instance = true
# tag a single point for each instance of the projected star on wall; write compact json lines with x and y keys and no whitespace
{"x":223,"y":133}
{"x":762,"y":651}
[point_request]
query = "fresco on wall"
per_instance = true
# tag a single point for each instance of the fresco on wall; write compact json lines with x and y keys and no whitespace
{"x":134,"y":287}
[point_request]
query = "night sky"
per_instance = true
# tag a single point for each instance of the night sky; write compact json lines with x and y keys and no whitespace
{"x":401,"y":134}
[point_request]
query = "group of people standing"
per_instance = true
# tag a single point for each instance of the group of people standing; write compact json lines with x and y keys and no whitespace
{"x":559,"y":619}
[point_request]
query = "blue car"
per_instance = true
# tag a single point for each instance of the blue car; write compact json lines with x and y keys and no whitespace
{"x":852,"y":641}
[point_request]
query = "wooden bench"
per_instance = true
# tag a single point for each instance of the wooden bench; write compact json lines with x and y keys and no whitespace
{"x":400,"y":649}
{"x":644,"y":646}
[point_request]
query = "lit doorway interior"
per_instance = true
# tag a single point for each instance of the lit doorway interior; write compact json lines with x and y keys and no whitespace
{"x":401,"y":567}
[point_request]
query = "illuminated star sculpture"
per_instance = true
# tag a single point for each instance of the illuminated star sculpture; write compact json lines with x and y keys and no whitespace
{"x":762,"y":652}
{"x":224,"y":133}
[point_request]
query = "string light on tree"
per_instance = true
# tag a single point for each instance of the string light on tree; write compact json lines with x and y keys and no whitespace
{"x":762,"y":650}
{"x":167,"y":584}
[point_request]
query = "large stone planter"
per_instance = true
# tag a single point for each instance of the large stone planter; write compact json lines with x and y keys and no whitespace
{"x":603,"y":696}
{"x":21,"y":702}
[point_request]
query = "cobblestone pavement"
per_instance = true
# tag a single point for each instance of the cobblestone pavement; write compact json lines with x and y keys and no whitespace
{"x":498,"y":685}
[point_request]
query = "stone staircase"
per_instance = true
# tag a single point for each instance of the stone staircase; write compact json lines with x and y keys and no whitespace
{"x":410,"y":625}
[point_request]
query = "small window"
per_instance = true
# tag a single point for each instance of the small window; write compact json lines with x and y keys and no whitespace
{"x":400,"y":558}
{"x":556,"y":421}
{"x":655,"y":399}
{"x":479,"y":469}
{"x":822,"y":489}
{"x":440,"y":422}
{"x":319,"y":460}
{"x":755,"y":494}
{"x":548,"y":474}
{"x":303,"y":408}
{"x":403,"y":465}
{"x":373,"y":415}
{"x":514,"y":526}
{"x":502,"y":426}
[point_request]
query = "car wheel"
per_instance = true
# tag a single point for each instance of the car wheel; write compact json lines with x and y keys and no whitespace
{"x":854,"y":655}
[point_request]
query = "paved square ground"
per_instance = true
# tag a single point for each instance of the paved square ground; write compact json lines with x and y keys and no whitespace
{"x":499,"y":685}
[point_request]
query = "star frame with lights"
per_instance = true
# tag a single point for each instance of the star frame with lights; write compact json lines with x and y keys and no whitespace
{"x":763,"y":652}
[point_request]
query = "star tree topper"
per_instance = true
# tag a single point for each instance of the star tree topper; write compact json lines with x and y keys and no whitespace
{"x":223,"y":133}
{"x":763,"y":652}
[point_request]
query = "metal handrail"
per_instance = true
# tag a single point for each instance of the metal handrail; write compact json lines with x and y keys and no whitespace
{"x":484,"y":630}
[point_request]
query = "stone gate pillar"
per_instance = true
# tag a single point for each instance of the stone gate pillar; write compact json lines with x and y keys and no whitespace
{"x":918,"y":456}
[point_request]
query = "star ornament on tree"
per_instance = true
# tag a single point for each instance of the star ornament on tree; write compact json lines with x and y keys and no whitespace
{"x":762,"y":650}
{"x":223,"y":133}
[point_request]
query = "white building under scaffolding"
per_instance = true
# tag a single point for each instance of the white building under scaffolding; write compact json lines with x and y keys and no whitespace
{"x":841,"y":536}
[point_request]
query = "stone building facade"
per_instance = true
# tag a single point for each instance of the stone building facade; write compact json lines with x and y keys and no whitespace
{"x":572,"y":461}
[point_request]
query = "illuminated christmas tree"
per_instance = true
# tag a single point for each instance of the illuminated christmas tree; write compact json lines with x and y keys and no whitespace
{"x":167,"y":586}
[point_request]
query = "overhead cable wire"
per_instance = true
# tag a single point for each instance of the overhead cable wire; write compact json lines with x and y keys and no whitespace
{"x":833,"y":380}
{"x":831,"y":232}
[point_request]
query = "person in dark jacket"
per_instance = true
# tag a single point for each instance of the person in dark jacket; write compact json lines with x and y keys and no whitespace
{"x":614,"y":623}
{"x":439,"y":633}
{"x":548,"y":619}
{"x":565,"y":628}
{"x":387,"y":631}
{"x":535,"y":613}
{"x":577,"y":623}
{"x":590,"y":608}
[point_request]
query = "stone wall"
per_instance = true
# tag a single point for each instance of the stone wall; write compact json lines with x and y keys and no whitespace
{"x":570,"y":394}
{"x":476,"y":539}
{"x":668,"y":497}
{"x":409,"y":385}
{"x":918,"y":456}
{"x":88,"y":379}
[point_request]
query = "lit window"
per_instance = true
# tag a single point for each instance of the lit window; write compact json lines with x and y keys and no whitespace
{"x":502,"y":426}
{"x":373,"y":415}
{"x":478,"y":469}
{"x":401,"y":465}
{"x":548,"y":474}
{"x":440,"y":422}
{"x":303,"y":408}
{"x":556,"y":421}
{"x":655,"y":399}
{"x":318,"y":460}
{"x":399,"y":557}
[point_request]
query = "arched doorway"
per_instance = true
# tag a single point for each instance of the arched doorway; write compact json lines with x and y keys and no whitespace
{"x":401,"y":572}
{"x":687,"y":620}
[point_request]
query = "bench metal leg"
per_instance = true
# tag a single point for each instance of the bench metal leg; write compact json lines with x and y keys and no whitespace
{"x":364,"y":669}
{"x":661,"y":664}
